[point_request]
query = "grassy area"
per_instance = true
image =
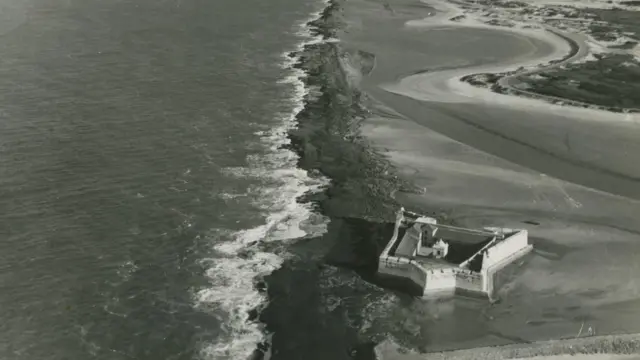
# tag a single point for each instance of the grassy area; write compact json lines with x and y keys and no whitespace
{"x":621,"y":20}
{"x":603,"y":32}
{"x":627,"y":45}
{"x":612,"y":81}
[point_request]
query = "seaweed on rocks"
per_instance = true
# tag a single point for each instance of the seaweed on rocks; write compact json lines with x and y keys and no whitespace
{"x":357,"y":202}
{"x":327,"y":139}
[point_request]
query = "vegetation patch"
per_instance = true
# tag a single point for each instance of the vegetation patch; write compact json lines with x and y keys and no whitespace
{"x":622,"y":21}
{"x":611,"y":81}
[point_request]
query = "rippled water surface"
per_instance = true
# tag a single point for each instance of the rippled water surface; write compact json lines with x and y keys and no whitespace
{"x":138,"y":158}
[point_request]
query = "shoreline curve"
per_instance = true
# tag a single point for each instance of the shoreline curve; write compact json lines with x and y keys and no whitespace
{"x":449,"y":86}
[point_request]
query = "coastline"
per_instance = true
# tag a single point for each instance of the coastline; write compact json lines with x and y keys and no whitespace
{"x":449,"y":86}
{"x":460,"y":101}
{"x":505,"y":82}
{"x":574,"y":23}
{"x":357,"y":202}
{"x":349,"y":131}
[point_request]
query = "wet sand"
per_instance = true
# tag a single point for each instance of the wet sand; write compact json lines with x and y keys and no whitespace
{"x":486,"y":162}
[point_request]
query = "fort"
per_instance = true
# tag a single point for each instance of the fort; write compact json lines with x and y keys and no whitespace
{"x":445,"y":260}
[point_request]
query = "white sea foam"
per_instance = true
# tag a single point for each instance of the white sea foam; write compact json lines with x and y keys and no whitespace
{"x":233,"y":273}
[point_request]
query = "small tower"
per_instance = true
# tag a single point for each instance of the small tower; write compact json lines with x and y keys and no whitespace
{"x":440,"y":249}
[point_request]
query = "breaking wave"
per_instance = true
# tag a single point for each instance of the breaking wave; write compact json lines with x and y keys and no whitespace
{"x":241,"y":256}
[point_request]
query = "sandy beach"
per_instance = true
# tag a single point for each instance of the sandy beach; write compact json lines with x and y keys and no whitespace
{"x":568,"y":175}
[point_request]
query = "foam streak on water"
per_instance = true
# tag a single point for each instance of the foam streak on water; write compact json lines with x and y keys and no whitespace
{"x":232,"y":274}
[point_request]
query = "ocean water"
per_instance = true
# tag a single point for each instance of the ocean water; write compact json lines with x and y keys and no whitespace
{"x":145,"y":180}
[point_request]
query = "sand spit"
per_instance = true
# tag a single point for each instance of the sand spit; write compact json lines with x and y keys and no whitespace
{"x":619,"y":347}
{"x":447,"y":86}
